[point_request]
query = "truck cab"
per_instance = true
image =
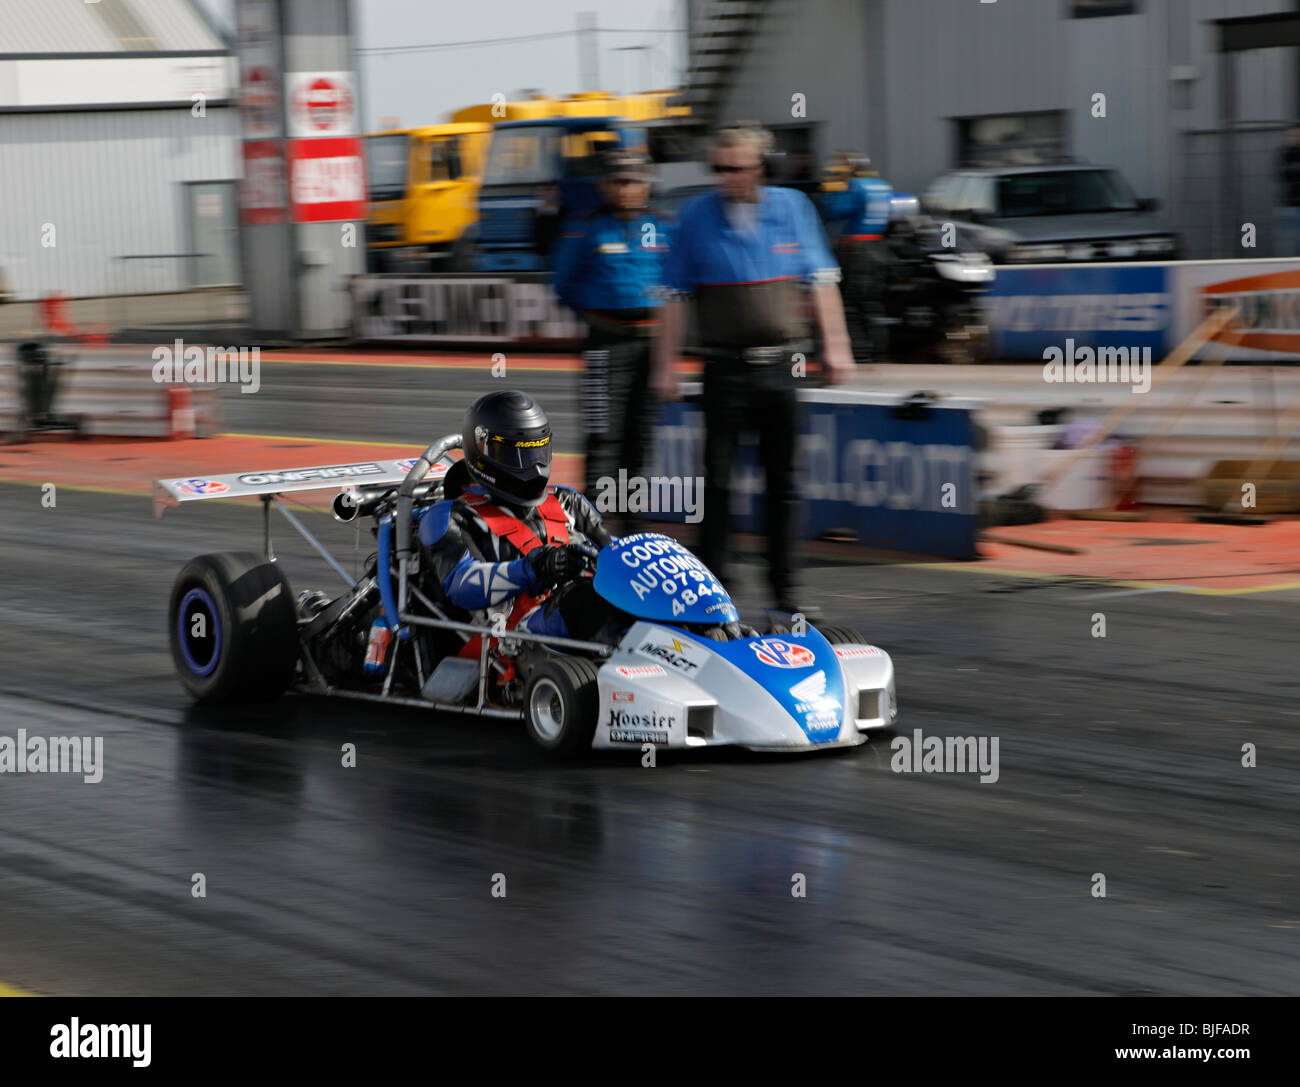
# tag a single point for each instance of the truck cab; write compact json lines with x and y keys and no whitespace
{"x":423,"y":187}
{"x":536,"y":168}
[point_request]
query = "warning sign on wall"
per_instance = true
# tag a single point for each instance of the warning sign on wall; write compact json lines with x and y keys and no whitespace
{"x":261,"y":192}
{"x":327,"y":180}
{"x":322,"y":104}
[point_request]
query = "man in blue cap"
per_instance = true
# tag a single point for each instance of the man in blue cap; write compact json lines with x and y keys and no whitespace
{"x":609,"y":269}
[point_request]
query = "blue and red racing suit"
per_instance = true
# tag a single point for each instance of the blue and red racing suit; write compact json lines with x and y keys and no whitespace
{"x":476,"y":550}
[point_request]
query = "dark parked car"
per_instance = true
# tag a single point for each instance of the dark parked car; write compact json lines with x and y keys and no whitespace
{"x":1050,"y":214}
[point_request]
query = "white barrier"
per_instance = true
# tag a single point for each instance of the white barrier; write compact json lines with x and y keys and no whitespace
{"x":1179,"y":438}
{"x":112,"y":391}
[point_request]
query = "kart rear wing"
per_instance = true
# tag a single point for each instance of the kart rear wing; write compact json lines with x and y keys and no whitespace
{"x":172,"y":492}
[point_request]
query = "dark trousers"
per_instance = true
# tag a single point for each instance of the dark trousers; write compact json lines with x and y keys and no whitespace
{"x":740,"y":397}
{"x":864,"y":264}
{"x":617,"y":407}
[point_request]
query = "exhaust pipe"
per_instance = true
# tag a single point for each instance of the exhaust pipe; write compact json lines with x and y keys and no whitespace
{"x":356,"y":502}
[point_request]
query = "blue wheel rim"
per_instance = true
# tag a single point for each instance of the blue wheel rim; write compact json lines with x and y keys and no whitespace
{"x":192,"y":649}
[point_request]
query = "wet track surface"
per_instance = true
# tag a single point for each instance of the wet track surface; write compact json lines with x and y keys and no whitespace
{"x":1119,"y":756}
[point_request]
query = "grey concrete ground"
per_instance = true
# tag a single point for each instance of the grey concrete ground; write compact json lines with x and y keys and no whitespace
{"x":1120,"y":756}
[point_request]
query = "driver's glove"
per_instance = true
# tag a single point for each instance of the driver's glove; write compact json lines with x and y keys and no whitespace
{"x":554,"y":564}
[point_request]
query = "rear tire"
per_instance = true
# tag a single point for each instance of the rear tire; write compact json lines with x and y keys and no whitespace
{"x":842,"y":636}
{"x":233,"y":628}
{"x":561,"y":704}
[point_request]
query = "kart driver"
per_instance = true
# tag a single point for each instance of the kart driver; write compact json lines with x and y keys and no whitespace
{"x":510,"y":538}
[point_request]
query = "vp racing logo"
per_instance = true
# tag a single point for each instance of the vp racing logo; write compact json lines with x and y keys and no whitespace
{"x":781,"y":654}
{"x":202,"y":487}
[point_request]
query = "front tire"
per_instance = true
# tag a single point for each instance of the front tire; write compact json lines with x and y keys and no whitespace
{"x":842,"y":636}
{"x":561,"y":704}
{"x":233,"y":628}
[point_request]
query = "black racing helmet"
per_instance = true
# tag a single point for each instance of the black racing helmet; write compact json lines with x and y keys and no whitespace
{"x":507,"y":443}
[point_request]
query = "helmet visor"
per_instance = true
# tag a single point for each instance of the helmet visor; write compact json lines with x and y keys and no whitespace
{"x":518,"y":452}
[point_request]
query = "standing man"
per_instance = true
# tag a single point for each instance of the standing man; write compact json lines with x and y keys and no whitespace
{"x":1288,"y":212}
{"x":865,"y":257}
{"x":743,"y":253}
{"x":609,"y":268}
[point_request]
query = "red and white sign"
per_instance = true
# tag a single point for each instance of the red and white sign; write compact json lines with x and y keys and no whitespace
{"x":259,"y":70}
{"x":327,"y":180}
{"x":257,"y":101}
{"x":322,"y":104}
{"x":262,"y":196}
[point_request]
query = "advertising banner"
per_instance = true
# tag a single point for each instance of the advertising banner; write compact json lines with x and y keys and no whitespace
{"x":1267,"y":293}
{"x":469,"y":309}
{"x":867,"y":467}
{"x":1095,"y":305}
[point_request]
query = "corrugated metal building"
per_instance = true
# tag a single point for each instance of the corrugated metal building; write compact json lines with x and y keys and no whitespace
{"x":119,"y":151}
{"x":927,"y":85}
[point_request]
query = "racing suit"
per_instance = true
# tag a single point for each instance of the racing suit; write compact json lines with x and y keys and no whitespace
{"x":475,"y":558}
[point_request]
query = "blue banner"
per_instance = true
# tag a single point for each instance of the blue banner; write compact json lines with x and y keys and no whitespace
{"x":864,"y":469}
{"x":1095,"y":305}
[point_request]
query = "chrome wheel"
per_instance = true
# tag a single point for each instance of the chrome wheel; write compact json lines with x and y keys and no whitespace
{"x":546,"y":710}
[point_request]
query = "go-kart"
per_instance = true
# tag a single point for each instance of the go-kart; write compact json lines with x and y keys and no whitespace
{"x":685,"y":672}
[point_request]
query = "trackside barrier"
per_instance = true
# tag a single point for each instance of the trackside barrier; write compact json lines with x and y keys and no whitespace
{"x":867,"y":467}
{"x":1182,"y":426}
{"x":113,"y":392}
{"x":1144,"y":305}
{"x":460,"y":309}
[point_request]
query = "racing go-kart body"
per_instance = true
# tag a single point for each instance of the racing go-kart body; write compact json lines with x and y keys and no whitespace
{"x":684,"y":673}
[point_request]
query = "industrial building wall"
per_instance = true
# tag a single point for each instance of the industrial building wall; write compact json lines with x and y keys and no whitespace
{"x":110,"y":183}
{"x":893,"y":77}
{"x":817,"y":49}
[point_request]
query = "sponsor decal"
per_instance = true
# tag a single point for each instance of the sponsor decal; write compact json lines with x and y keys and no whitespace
{"x":820,"y":711}
{"x":677,"y":653}
{"x":202,"y":486}
{"x":652,"y":727}
{"x":777,"y":653}
{"x":623,"y":696}
{"x":637,"y":736}
{"x":640,"y":670}
{"x":812,"y":687}
{"x":407,"y":464}
{"x":821,"y":721}
{"x":303,"y":475}
{"x":856,"y":651}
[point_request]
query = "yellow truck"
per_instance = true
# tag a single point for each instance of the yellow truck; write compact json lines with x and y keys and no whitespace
{"x":644,"y":106}
{"x":424,"y":182}
{"x":423,"y":187}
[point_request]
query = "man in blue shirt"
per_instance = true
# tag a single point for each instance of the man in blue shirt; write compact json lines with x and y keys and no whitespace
{"x":865,"y":257}
{"x":609,"y":269}
{"x":745,"y":254}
